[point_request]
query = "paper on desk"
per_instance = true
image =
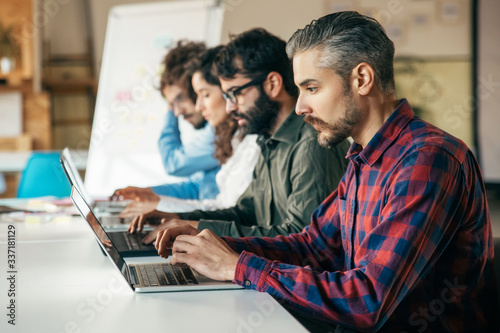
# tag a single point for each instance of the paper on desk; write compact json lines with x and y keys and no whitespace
{"x":35,"y":218}
{"x":38,"y":205}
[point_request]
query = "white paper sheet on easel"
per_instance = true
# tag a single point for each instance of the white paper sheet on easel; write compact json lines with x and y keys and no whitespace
{"x":11,"y":114}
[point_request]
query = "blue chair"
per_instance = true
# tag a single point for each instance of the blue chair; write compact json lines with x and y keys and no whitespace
{"x":43,"y":176}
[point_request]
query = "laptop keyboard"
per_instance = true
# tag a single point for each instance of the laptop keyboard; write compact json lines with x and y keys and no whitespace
{"x":164,"y":274}
{"x":125,"y":241}
{"x":133,"y":241}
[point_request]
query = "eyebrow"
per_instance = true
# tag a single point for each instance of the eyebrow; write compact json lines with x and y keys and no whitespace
{"x":307,"y":81}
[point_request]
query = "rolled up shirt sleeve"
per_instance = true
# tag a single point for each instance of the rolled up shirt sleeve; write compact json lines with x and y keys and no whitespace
{"x":183,"y":160}
{"x":426,"y":201}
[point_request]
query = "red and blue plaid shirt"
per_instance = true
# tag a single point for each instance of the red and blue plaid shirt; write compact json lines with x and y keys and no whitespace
{"x":403,"y":245}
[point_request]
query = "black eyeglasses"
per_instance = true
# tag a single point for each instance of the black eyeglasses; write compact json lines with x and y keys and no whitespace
{"x":233,"y":93}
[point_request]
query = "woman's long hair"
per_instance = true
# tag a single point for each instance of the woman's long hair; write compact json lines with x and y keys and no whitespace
{"x":224,"y":134}
{"x":225,"y":131}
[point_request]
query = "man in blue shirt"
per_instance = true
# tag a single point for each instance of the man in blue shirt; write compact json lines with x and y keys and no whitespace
{"x":193,"y":159}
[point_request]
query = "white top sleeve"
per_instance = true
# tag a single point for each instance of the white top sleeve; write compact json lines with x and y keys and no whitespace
{"x":233,"y":179}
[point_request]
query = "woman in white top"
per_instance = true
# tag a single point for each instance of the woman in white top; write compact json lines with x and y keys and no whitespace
{"x":237,"y":153}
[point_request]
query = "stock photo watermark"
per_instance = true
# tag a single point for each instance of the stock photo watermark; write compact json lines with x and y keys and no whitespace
{"x":256,"y":318}
{"x":11,"y":273}
{"x":437,"y":306}
{"x":49,"y":9}
{"x":88,"y":309}
{"x":459,"y":112}
{"x":230,"y":5}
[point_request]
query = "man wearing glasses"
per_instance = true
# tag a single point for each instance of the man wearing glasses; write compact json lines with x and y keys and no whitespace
{"x":294,"y":173}
{"x":195,"y":159}
{"x":404,"y":244}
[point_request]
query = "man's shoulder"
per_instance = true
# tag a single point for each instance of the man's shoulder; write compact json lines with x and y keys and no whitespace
{"x":421,"y":135}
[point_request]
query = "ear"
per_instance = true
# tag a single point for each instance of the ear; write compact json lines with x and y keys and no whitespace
{"x":363,"y":78}
{"x":273,"y":84}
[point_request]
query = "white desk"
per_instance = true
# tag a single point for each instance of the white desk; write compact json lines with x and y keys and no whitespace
{"x":65,"y":284}
{"x":16,"y":161}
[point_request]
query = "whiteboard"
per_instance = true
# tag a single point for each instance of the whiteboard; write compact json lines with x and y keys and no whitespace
{"x":488,"y":89}
{"x":130,"y":110}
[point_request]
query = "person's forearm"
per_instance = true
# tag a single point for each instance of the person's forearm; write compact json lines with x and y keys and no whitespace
{"x":183,"y":160}
{"x":182,"y":190}
{"x":229,"y":214}
{"x":235,"y":229}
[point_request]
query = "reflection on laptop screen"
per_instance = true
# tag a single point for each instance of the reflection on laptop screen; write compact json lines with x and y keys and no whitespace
{"x":73,"y":175}
{"x":103,"y":239}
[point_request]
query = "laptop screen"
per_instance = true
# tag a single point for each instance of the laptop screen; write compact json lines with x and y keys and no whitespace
{"x":102,"y":237}
{"x":72,"y":174}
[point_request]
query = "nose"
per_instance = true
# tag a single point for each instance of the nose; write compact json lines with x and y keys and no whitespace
{"x":198,"y":107}
{"x":301,"y":108}
{"x":177,"y":110}
{"x":230,"y":106}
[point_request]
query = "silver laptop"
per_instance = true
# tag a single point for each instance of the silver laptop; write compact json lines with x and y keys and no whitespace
{"x":147,"y":277}
{"x":129,"y":245}
{"x":100,"y":207}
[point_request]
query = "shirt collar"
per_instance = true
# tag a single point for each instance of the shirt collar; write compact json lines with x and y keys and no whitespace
{"x":288,"y":131}
{"x":385,"y":136}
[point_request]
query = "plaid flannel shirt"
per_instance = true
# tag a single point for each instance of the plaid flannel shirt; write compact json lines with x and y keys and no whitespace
{"x":403,"y":245}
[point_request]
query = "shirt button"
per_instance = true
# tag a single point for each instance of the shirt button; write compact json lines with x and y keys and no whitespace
{"x":248,"y":283}
{"x":271,"y":144}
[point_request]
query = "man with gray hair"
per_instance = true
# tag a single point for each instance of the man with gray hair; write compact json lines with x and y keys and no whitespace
{"x":405,"y":243}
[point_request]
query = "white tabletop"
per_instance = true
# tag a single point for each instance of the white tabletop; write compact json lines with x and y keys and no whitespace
{"x":65,"y":284}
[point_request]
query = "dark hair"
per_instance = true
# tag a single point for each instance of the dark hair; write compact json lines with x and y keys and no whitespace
{"x":175,"y":66}
{"x":204,"y":65}
{"x":224,"y":132}
{"x":347,"y":39}
{"x":254,"y":53}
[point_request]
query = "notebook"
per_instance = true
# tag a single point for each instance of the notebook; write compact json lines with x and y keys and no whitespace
{"x":147,"y":277}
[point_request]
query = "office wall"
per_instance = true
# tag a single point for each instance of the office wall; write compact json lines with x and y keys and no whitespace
{"x":436,"y":31}
{"x":487,"y":91}
{"x":282,"y":17}
{"x":424,"y":27}
{"x":63,"y":24}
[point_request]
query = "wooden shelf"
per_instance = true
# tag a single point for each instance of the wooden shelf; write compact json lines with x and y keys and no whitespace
{"x":25,"y":87}
{"x":82,"y":85}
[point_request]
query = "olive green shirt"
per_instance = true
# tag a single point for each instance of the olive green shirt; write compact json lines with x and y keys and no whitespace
{"x":293,"y":175}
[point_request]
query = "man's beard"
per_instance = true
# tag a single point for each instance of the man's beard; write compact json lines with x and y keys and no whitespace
{"x":260,"y":117}
{"x":330,"y":135}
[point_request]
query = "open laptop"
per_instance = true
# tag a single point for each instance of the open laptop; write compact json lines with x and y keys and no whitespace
{"x":147,"y":277}
{"x":129,"y":245}
{"x":100,"y":207}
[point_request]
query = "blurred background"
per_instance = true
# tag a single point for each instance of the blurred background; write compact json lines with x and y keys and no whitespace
{"x":51,"y":53}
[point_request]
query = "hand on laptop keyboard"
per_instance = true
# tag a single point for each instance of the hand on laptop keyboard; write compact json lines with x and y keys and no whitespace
{"x":203,"y":251}
{"x":135,"y":193}
{"x":168,"y":225}
{"x":152,"y":218}
{"x":137,"y":208}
